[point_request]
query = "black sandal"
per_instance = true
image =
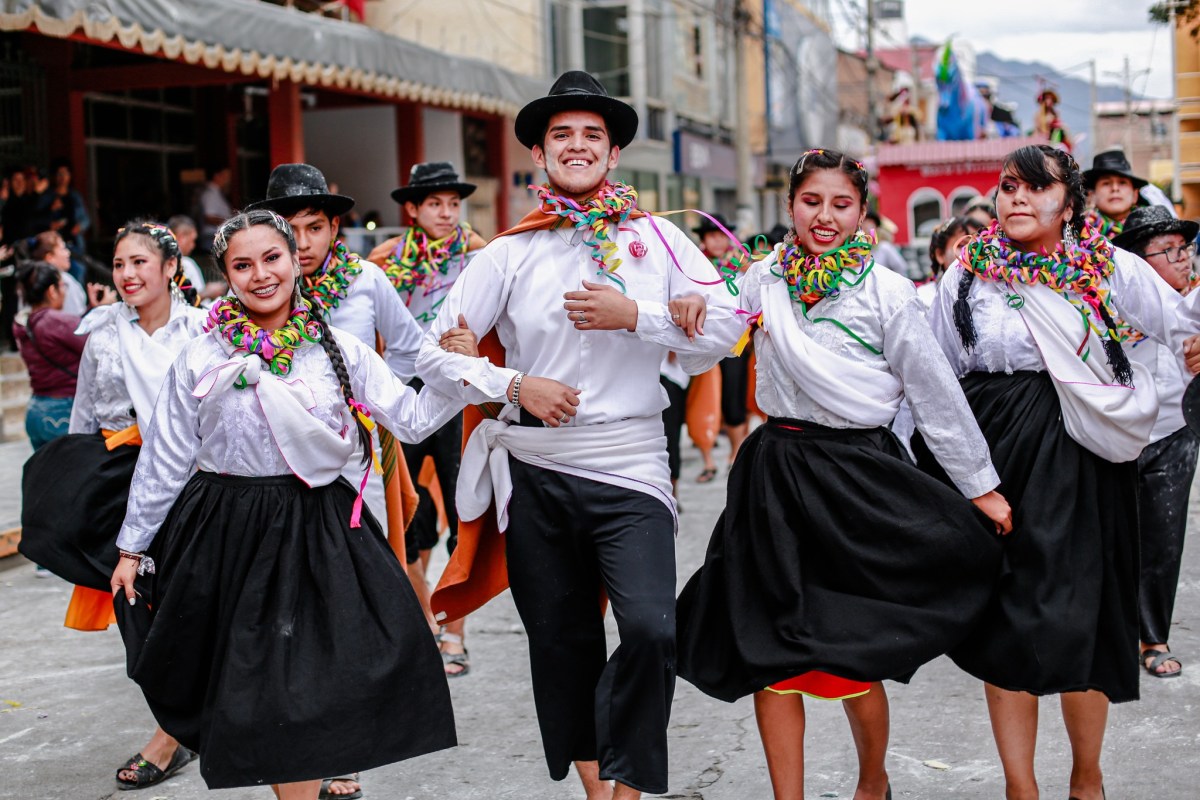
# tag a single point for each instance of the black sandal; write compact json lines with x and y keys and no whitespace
{"x":149,"y":774}
{"x":326,"y":795}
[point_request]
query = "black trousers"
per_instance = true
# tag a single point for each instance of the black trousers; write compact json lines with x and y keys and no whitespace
{"x":445,"y":447}
{"x":1165,"y":471}
{"x":568,"y":540}
{"x":673,"y":419}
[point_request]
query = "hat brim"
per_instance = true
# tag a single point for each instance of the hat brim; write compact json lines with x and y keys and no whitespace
{"x":332,"y":204}
{"x":1092,"y":175}
{"x":417,"y":194}
{"x":620,"y":117}
{"x":1129,"y":240}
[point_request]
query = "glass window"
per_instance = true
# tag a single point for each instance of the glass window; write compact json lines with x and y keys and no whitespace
{"x":606,"y":46}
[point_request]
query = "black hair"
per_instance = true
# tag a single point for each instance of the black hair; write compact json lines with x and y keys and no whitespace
{"x":34,"y":279}
{"x":1042,"y":165}
{"x":815,"y":160}
{"x":262,"y":216}
{"x":164,"y":241}
{"x":949,"y":231}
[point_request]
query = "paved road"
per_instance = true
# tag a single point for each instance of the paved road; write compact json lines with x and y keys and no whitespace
{"x":68,"y":715}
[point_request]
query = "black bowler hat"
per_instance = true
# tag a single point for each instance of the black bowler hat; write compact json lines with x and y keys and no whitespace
{"x":708,"y":226}
{"x":1144,"y":223}
{"x":577,"y":91}
{"x":1111,"y":162}
{"x":430,"y":177}
{"x":293,"y":188}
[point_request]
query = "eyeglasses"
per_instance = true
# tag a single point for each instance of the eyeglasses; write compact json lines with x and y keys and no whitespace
{"x":1175,"y":254}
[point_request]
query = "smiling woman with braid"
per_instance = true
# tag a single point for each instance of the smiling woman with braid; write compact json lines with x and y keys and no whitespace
{"x":268,"y":623}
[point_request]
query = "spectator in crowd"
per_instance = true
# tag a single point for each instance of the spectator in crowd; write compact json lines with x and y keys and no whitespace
{"x":51,"y":350}
{"x":49,"y":247}
{"x":213,"y":205}
{"x":186,"y":234}
{"x":982,"y":210}
{"x":886,"y":253}
{"x":69,"y":216}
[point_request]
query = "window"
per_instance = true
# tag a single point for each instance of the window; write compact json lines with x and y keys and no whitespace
{"x":926,"y":209}
{"x":959,"y":199}
{"x":606,"y":46}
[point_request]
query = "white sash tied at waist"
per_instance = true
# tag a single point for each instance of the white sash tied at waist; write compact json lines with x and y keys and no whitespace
{"x":314,"y":453}
{"x":631,"y":453}
{"x":865,"y":396}
{"x":1109,"y":419}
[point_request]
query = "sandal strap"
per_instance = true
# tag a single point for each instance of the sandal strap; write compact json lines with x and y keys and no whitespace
{"x":146,"y":773}
{"x":1163,"y":657}
{"x":452,"y":638}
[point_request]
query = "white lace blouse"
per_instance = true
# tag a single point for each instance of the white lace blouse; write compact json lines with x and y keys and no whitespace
{"x":227,"y":432}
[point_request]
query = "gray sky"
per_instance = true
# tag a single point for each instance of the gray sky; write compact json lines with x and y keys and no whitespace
{"x":1062,"y":33}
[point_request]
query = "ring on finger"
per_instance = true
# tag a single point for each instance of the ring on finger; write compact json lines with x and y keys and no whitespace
{"x":674,"y":316}
{"x":565,"y":419}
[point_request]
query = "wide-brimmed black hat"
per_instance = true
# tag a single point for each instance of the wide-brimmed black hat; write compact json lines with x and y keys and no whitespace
{"x":1144,"y":223}
{"x":296,"y":187}
{"x":708,"y":226}
{"x":1111,"y":162}
{"x":432,"y":176}
{"x":577,"y":91}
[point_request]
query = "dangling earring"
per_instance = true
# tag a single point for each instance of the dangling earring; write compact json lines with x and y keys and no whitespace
{"x":177,"y":293}
{"x":1068,"y":235}
{"x":297,"y":298}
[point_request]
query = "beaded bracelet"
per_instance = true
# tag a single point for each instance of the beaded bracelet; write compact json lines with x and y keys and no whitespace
{"x":131,"y":556}
{"x":516,"y":390}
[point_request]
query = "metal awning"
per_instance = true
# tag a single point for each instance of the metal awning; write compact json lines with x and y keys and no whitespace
{"x":263,"y":40}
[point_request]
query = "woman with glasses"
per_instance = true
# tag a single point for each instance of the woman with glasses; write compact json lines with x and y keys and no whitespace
{"x":1166,"y":466}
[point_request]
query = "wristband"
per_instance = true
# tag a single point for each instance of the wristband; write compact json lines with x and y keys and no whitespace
{"x":131,"y":556}
{"x":516,"y":389}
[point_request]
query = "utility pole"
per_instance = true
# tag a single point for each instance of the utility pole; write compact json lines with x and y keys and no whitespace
{"x":1176,"y":188}
{"x":872,"y":68}
{"x":1093,"y":129}
{"x":747,"y":218}
{"x":1127,"y":77}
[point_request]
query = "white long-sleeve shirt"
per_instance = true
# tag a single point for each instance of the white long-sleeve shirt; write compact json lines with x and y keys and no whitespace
{"x":227,"y":432}
{"x":371,"y":304}
{"x":885,"y":312}
{"x":1005,"y":344}
{"x":516,"y":286}
{"x":102,"y":398}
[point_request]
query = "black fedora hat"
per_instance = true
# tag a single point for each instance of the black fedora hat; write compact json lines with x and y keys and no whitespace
{"x":709,"y":226}
{"x":1111,"y":162}
{"x":296,"y":187}
{"x":1146,"y":222}
{"x":577,"y":91}
{"x":432,"y":176}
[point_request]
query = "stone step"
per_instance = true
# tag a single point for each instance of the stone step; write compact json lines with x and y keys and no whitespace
{"x":11,"y":363}
{"x":14,"y":397}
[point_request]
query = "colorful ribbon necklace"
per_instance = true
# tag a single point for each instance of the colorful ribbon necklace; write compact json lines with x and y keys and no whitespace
{"x":1106,"y":226}
{"x":810,"y":278}
{"x":329,"y":286}
{"x":415,"y":260}
{"x":730,"y":266}
{"x":277,"y":347}
{"x":609,"y":207}
{"x":1076,"y":271}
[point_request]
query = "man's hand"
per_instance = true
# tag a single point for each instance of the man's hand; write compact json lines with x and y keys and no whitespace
{"x":1191,"y":353}
{"x":997,"y":509}
{"x":548,"y":400}
{"x":689,"y":313}
{"x":600,"y":308}
{"x":462,"y":341}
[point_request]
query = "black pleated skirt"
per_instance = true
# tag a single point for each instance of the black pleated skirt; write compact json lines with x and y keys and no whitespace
{"x":836,"y":554}
{"x":280,"y":643}
{"x":73,"y":496}
{"x":1065,"y":613}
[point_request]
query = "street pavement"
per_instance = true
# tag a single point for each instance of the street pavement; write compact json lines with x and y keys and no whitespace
{"x":68,"y":714}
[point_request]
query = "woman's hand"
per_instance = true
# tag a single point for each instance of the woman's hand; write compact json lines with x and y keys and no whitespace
{"x":460,"y":340}
{"x":123,"y":577}
{"x":600,"y":308}
{"x":100,"y":295}
{"x":997,"y":509}
{"x":689,"y":313}
{"x":1191,"y":353}
{"x":548,"y":400}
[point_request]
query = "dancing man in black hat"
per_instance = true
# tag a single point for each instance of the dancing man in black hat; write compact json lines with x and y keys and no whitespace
{"x":1115,"y":191}
{"x":423,"y":264}
{"x":586,"y":295}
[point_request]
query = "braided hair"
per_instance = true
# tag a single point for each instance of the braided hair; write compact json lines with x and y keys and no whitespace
{"x":262,"y":216}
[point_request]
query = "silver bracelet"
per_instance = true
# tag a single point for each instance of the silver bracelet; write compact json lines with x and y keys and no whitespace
{"x":516,"y":398}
